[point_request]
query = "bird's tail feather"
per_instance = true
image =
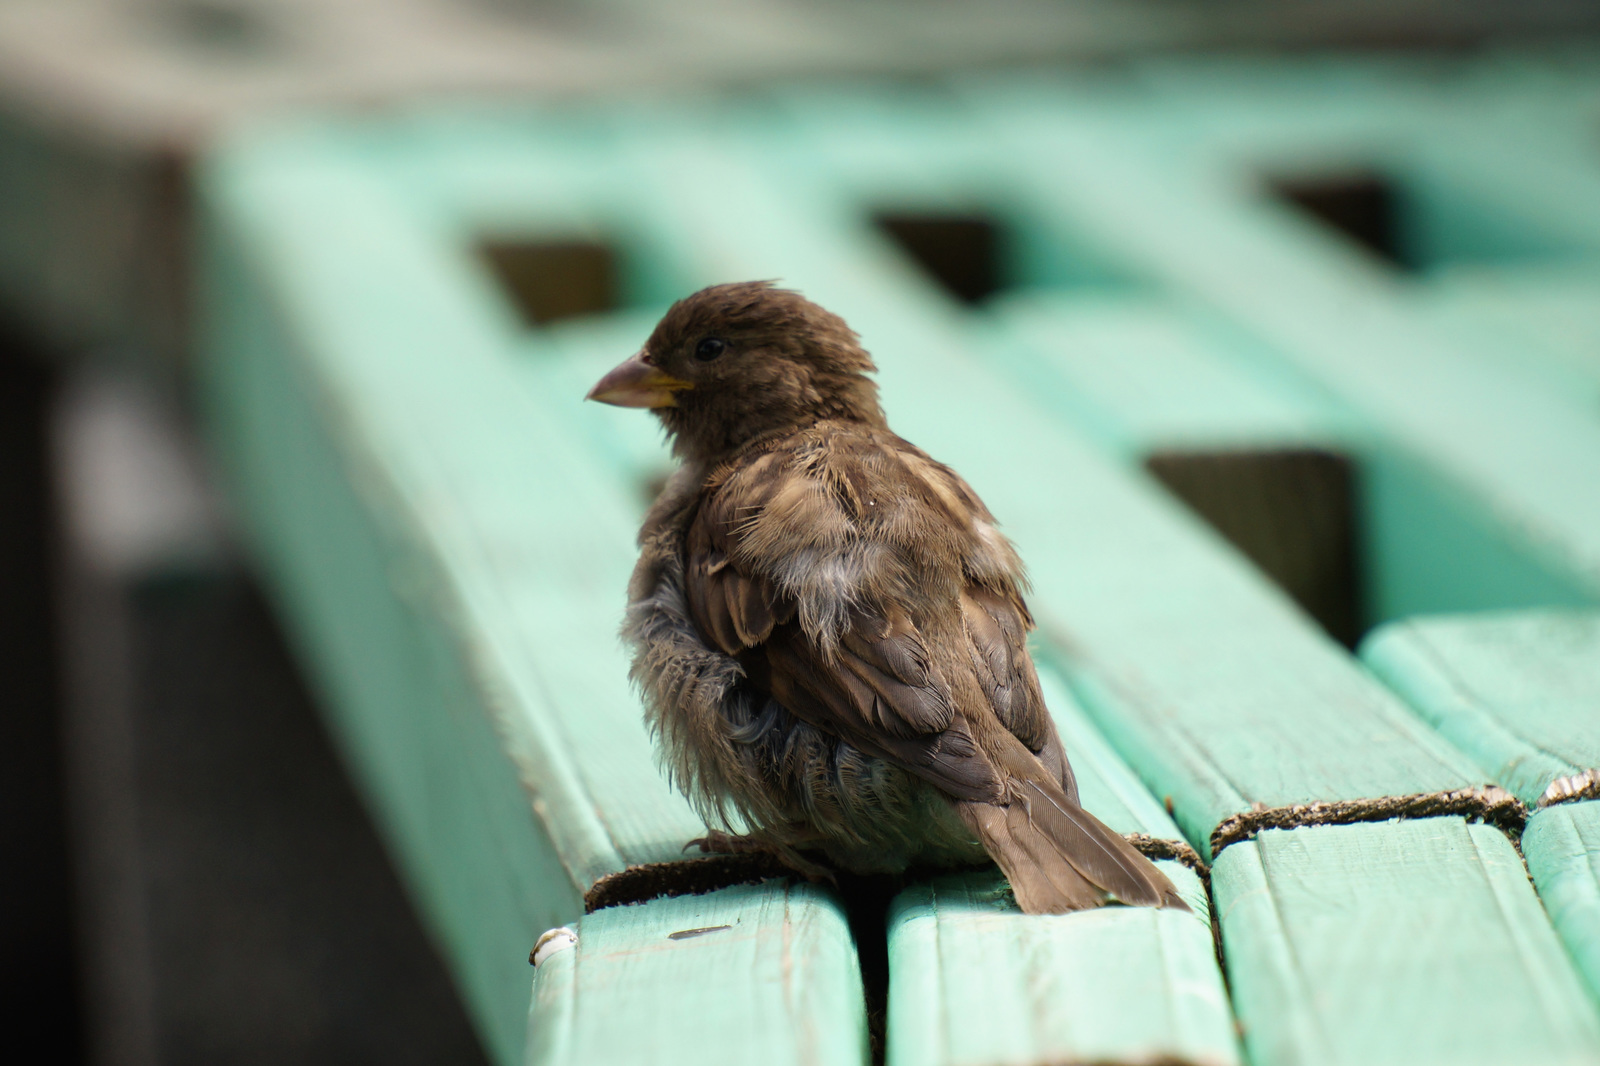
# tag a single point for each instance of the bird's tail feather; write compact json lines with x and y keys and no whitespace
{"x":1059,"y":857}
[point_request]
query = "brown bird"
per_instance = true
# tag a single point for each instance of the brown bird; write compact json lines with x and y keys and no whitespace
{"x":827,"y":628}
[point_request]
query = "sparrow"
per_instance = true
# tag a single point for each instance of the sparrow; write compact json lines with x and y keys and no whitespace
{"x":829,"y":631}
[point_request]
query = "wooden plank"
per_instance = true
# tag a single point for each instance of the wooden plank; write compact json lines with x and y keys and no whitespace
{"x":1261,"y":456}
{"x":1149,"y":374}
{"x":1106,"y":784}
{"x":466,"y":466}
{"x":1414,"y":941}
{"x":1563,"y":849}
{"x":126,"y":99}
{"x":1538,"y":318}
{"x":1518,"y":691}
{"x":1081,"y":172}
{"x":747,"y":974}
{"x":973,"y":981}
{"x":483,"y":872}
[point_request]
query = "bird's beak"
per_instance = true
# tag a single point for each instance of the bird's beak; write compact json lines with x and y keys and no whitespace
{"x":635,"y":383}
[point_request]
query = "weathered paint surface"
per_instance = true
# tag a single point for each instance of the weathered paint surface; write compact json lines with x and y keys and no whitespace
{"x":1519,"y":691}
{"x":1563,"y":849}
{"x":972,"y":980}
{"x":1416,"y":942}
{"x":753,"y":974}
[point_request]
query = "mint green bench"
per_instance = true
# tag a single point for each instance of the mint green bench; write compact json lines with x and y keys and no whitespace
{"x":408,"y":472}
{"x":407,"y":459}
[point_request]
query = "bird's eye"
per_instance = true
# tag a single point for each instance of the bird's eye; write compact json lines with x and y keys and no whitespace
{"x":710,"y":348}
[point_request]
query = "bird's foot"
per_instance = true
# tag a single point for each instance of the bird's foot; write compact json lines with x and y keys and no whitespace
{"x":716,"y":842}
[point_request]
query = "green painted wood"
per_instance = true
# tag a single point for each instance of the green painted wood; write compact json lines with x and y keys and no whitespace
{"x":1414,"y":941}
{"x":974,"y":981}
{"x":1271,"y":465}
{"x":1519,"y":691}
{"x":409,"y":460}
{"x":752,"y":974}
{"x":400,"y":701}
{"x":1144,"y":373}
{"x":1478,"y":468}
{"x":450,"y":565}
{"x":742,"y":222}
{"x":518,"y":535}
{"x":1080,"y":328}
{"x":1063,"y":167}
{"x":1562,"y":844}
{"x":1541,"y":319}
{"x":1106,"y":784}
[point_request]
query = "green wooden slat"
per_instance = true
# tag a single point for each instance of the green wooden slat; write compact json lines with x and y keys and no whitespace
{"x":1519,"y":691}
{"x":1091,"y":593}
{"x":1169,"y":180}
{"x":1562,"y":844}
{"x":400,"y":701}
{"x":973,"y":981}
{"x":1418,"y":942}
{"x":753,"y":974}
{"x":1141,"y":372}
{"x":1539,"y":319}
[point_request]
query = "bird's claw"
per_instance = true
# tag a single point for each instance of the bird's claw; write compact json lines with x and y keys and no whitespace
{"x":716,"y":842}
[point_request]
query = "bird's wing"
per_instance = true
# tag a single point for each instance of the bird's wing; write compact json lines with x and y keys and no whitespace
{"x":814,"y":572}
{"x":997,"y":627}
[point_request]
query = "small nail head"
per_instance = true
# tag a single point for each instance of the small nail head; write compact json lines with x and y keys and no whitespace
{"x":552,"y":941}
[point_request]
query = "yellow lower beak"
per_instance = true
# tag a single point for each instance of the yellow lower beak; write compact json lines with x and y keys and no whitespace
{"x":635,"y":383}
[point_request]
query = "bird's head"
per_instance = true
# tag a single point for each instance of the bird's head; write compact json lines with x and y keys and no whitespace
{"x":738,"y":362}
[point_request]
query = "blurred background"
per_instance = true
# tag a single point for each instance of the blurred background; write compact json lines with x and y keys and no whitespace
{"x":186,"y":874}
